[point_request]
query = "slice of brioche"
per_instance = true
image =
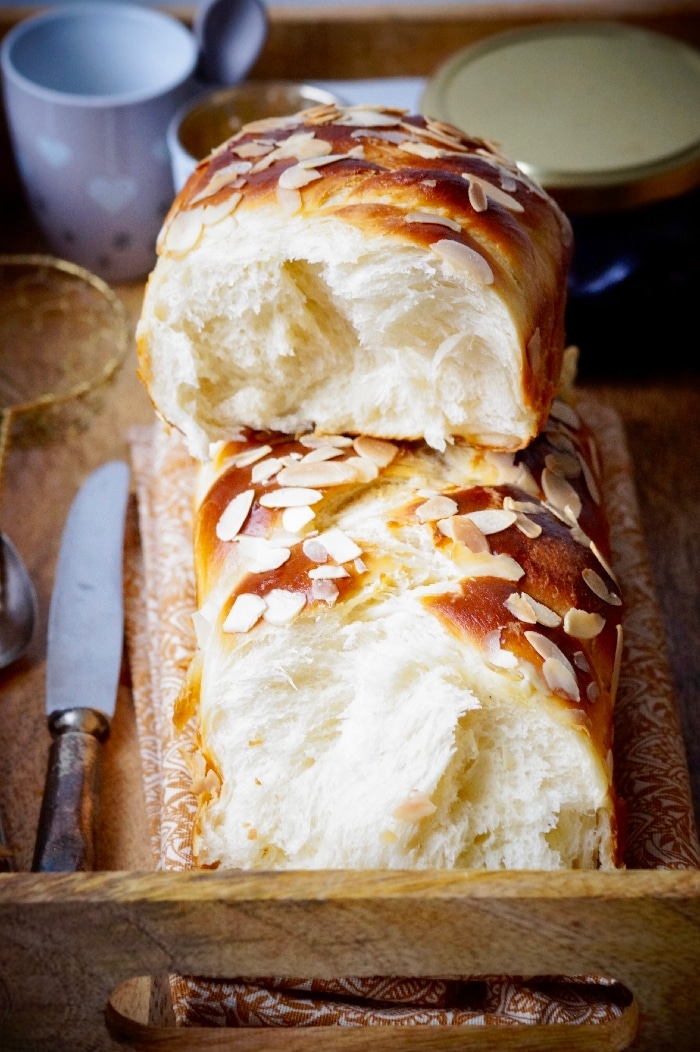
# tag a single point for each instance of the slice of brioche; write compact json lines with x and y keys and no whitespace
{"x":408,"y":658}
{"x":357,"y":270}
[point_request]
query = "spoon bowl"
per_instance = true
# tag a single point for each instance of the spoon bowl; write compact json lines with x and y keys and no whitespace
{"x":230,"y":35}
{"x":18,"y":604}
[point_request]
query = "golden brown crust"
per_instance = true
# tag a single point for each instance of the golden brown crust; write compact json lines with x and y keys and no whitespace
{"x":408,"y":179}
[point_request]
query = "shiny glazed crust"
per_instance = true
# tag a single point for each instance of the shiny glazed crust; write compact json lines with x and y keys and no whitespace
{"x":370,"y":188}
{"x":502,"y":558}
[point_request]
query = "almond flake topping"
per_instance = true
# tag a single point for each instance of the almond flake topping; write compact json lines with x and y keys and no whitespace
{"x":234,"y":515}
{"x":283,"y":606}
{"x":483,"y":565}
{"x":325,"y":590}
{"x":290,"y":497}
{"x":222,"y":177}
{"x":461,"y":257}
{"x":560,"y":677}
{"x":581,"y":662}
{"x":250,"y":456}
{"x":560,"y":493}
{"x":314,"y":551}
{"x":563,"y":411}
{"x":295,"y":177}
{"x":327,"y":452}
{"x":464,"y":530}
{"x":338,"y":545}
{"x":492,"y":520}
{"x":252,"y":149}
{"x":422,"y":149}
{"x":525,"y":608}
{"x":366,"y":470}
{"x":260,"y":556}
{"x":246,"y":611}
{"x":547,"y":649}
{"x":435,"y":508}
{"x":563,"y":464}
{"x":367,"y":117}
{"x":416,"y":806}
{"x":591,"y":484}
{"x":213,"y":214}
{"x":582,"y":625}
{"x":289,"y":200}
{"x":312,"y":441}
{"x":477,"y":195}
{"x":602,"y":560}
{"x":526,"y":507}
{"x":376,"y":449}
{"x":317,"y":473}
{"x":432,"y":217}
{"x":527,"y":527}
{"x":593,"y":691}
{"x":184,"y":232}
{"x":488,"y":192}
{"x":327,"y":572}
{"x":598,"y":586}
{"x":264,"y":470}
{"x":295,"y":519}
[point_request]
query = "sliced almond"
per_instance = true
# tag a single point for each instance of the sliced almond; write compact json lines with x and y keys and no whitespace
{"x":492,"y":193}
{"x":318,"y":473}
{"x":339,"y":546}
{"x":296,"y":177}
{"x":325,"y":590}
{"x":566,"y":465}
{"x":375,"y":449}
{"x":492,"y":520}
{"x":463,"y":258}
{"x":560,"y":678}
{"x":234,"y":515}
{"x":250,"y":456}
{"x":527,"y":526}
{"x":560,"y":493}
{"x":583,"y":625}
{"x":327,"y":572}
{"x":435,"y":508}
{"x":312,"y":441}
{"x":433,"y":217}
{"x":561,"y":410}
{"x":327,"y":452}
{"x":283,"y":606}
{"x":593,"y":691}
{"x":260,"y":556}
{"x":547,"y":649}
{"x":184,"y":232}
{"x":289,"y":200}
{"x":314,"y":551}
{"x":246,"y":611}
{"x":464,"y":530}
{"x":481,"y":564}
{"x":365,"y":469}
{"x":295,"y":519}
{"x":422,"y":149}
{"x":290,"y":497}
{"x":266,"y":469}
{"x":598,"y":586}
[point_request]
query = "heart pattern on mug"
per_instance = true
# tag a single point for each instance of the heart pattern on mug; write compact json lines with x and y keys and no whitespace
{"x":112,"y":192}
{"x":55,"y":152}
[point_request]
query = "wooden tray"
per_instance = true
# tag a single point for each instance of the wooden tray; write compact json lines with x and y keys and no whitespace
{"x":83,"y":956}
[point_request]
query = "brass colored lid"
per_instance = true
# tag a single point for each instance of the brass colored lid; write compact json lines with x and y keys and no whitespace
{"x":603,"y":115}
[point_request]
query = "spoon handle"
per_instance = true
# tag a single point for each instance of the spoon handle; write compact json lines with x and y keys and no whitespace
{"x":67,"y":823}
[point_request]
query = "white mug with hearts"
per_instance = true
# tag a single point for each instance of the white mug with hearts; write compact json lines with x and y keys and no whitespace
{"x":90,"y":88}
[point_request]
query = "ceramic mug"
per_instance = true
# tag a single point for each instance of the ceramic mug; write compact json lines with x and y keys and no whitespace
{"x":90,"y":89}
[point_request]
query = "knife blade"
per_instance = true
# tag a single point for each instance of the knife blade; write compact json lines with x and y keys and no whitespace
{"x":84,"y":652}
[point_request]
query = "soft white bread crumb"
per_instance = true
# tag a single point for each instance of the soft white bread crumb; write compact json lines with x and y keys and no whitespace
{"x":402,"y":295}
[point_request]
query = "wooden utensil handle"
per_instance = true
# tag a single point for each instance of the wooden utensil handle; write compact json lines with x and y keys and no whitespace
{"x":66,"y":834}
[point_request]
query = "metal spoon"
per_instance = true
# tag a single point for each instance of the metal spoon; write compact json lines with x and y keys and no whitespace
{"x":230,"y":34}
{"x":17,"y":604}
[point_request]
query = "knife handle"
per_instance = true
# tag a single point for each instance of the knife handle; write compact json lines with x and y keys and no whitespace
{"x":66,"y":835}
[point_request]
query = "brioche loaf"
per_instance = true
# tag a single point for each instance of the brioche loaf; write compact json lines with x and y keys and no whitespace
{"x":361,"y":271}
{"x":407,"y":657}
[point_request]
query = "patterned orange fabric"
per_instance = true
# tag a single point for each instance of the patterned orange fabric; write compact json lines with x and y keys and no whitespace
{"x":650,"y":764}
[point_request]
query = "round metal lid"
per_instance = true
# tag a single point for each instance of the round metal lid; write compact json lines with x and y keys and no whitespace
{"x":603,"y":115}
